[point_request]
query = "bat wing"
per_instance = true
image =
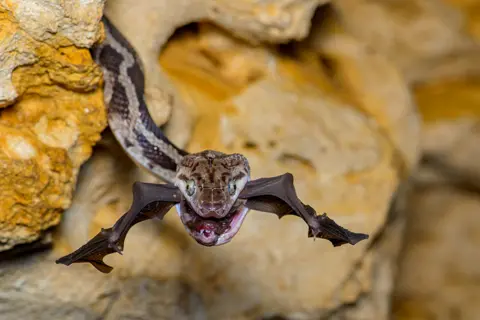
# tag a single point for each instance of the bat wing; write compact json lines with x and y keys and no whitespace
{"x":149,"y":201}
{"x":277,"y":195}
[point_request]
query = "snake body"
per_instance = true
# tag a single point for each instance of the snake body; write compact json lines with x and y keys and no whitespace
{"x":128,"y":115}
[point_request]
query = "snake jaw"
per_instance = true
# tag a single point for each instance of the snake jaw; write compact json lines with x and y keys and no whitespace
{"x":211,"y":231}
{"x":235,"y":225}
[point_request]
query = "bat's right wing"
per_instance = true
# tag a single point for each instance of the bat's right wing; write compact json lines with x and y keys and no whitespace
{"x":149,"y":200}
{"x":277,"y":195}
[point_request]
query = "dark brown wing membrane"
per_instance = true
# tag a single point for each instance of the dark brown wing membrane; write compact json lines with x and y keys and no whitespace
{"x":277,"y":195}
{"x":149,"y":200}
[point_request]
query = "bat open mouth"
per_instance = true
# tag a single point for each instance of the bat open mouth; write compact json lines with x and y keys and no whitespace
{"x":211,"y":231}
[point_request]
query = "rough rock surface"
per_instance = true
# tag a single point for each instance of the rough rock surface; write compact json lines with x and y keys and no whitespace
{"x":356,"y":69}
{"x":44,"y":35}
{"x":268,"y":21}
{"x":424,"y":38}
{"x":442,"y":238}
{"x":52,"y":114}
{"x":439,"y":262}
{"x":434,"y":221}
{"x":353,"y":105}
{"x":32,"y":289}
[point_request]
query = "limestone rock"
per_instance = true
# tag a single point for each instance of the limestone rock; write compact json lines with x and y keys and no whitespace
{"x":447,"y":99}
{"x":470,"y":11}
{"x":55,"y":111}
{"x":373,"y":83}
{"x":272,"y":20}
{"x":32,"y":289}
{"x":269,"y":21}
{"x":451,"y":109}
{"x":424,"y":38}
{"x":346,"y":141}
{"x":443,"y":224}
{"x":34,"y":32}
{"x":438,"y":267}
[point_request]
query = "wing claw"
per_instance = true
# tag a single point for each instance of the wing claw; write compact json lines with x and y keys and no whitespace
{"x":116,"y":247}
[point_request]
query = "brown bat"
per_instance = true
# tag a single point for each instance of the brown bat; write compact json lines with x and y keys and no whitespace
{"x":212,"y":191}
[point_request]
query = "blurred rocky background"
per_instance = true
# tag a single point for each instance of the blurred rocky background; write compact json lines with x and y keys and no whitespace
{"x":373,"y":105}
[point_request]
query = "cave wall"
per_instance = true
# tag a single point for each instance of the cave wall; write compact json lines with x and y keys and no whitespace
{"x":349,"y":96}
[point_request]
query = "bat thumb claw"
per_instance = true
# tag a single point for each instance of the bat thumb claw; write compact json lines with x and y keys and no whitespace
{"x":117,"y":248}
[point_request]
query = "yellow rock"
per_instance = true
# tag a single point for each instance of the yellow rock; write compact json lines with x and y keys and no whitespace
{"x":449,"y":99}
{"x":53,"y":114}
{"x":422,"y":37}
{"x":471,"y":11}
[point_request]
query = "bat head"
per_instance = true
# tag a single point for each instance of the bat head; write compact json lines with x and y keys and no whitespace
{"x":210,"y":182}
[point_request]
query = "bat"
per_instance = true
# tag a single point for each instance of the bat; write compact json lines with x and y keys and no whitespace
{"x":211,"y":191}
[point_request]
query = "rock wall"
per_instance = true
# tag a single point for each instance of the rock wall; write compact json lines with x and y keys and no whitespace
{"x":337,"y":107}
{"x":439,"y":262}
{"x":52,"y":114}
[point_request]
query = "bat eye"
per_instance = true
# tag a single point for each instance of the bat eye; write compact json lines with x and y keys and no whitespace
{"x":232,"y":187}
{"x":190,"y":187}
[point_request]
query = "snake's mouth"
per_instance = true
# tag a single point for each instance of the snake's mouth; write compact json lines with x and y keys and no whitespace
{"x":211,"y":231}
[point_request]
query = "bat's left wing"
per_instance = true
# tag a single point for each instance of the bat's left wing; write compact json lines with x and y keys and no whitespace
{"x":277,"y":195}
{"x":149,"y":201}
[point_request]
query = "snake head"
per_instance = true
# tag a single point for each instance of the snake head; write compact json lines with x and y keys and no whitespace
{"x":210,"y":182}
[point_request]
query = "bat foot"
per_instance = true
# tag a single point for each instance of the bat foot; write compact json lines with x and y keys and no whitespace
{"x":330,"y":230}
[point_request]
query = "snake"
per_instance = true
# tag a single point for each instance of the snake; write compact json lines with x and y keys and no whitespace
{"x":133,"y":127}
{"x":128,"y":116}
{"x":212,"y":191}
